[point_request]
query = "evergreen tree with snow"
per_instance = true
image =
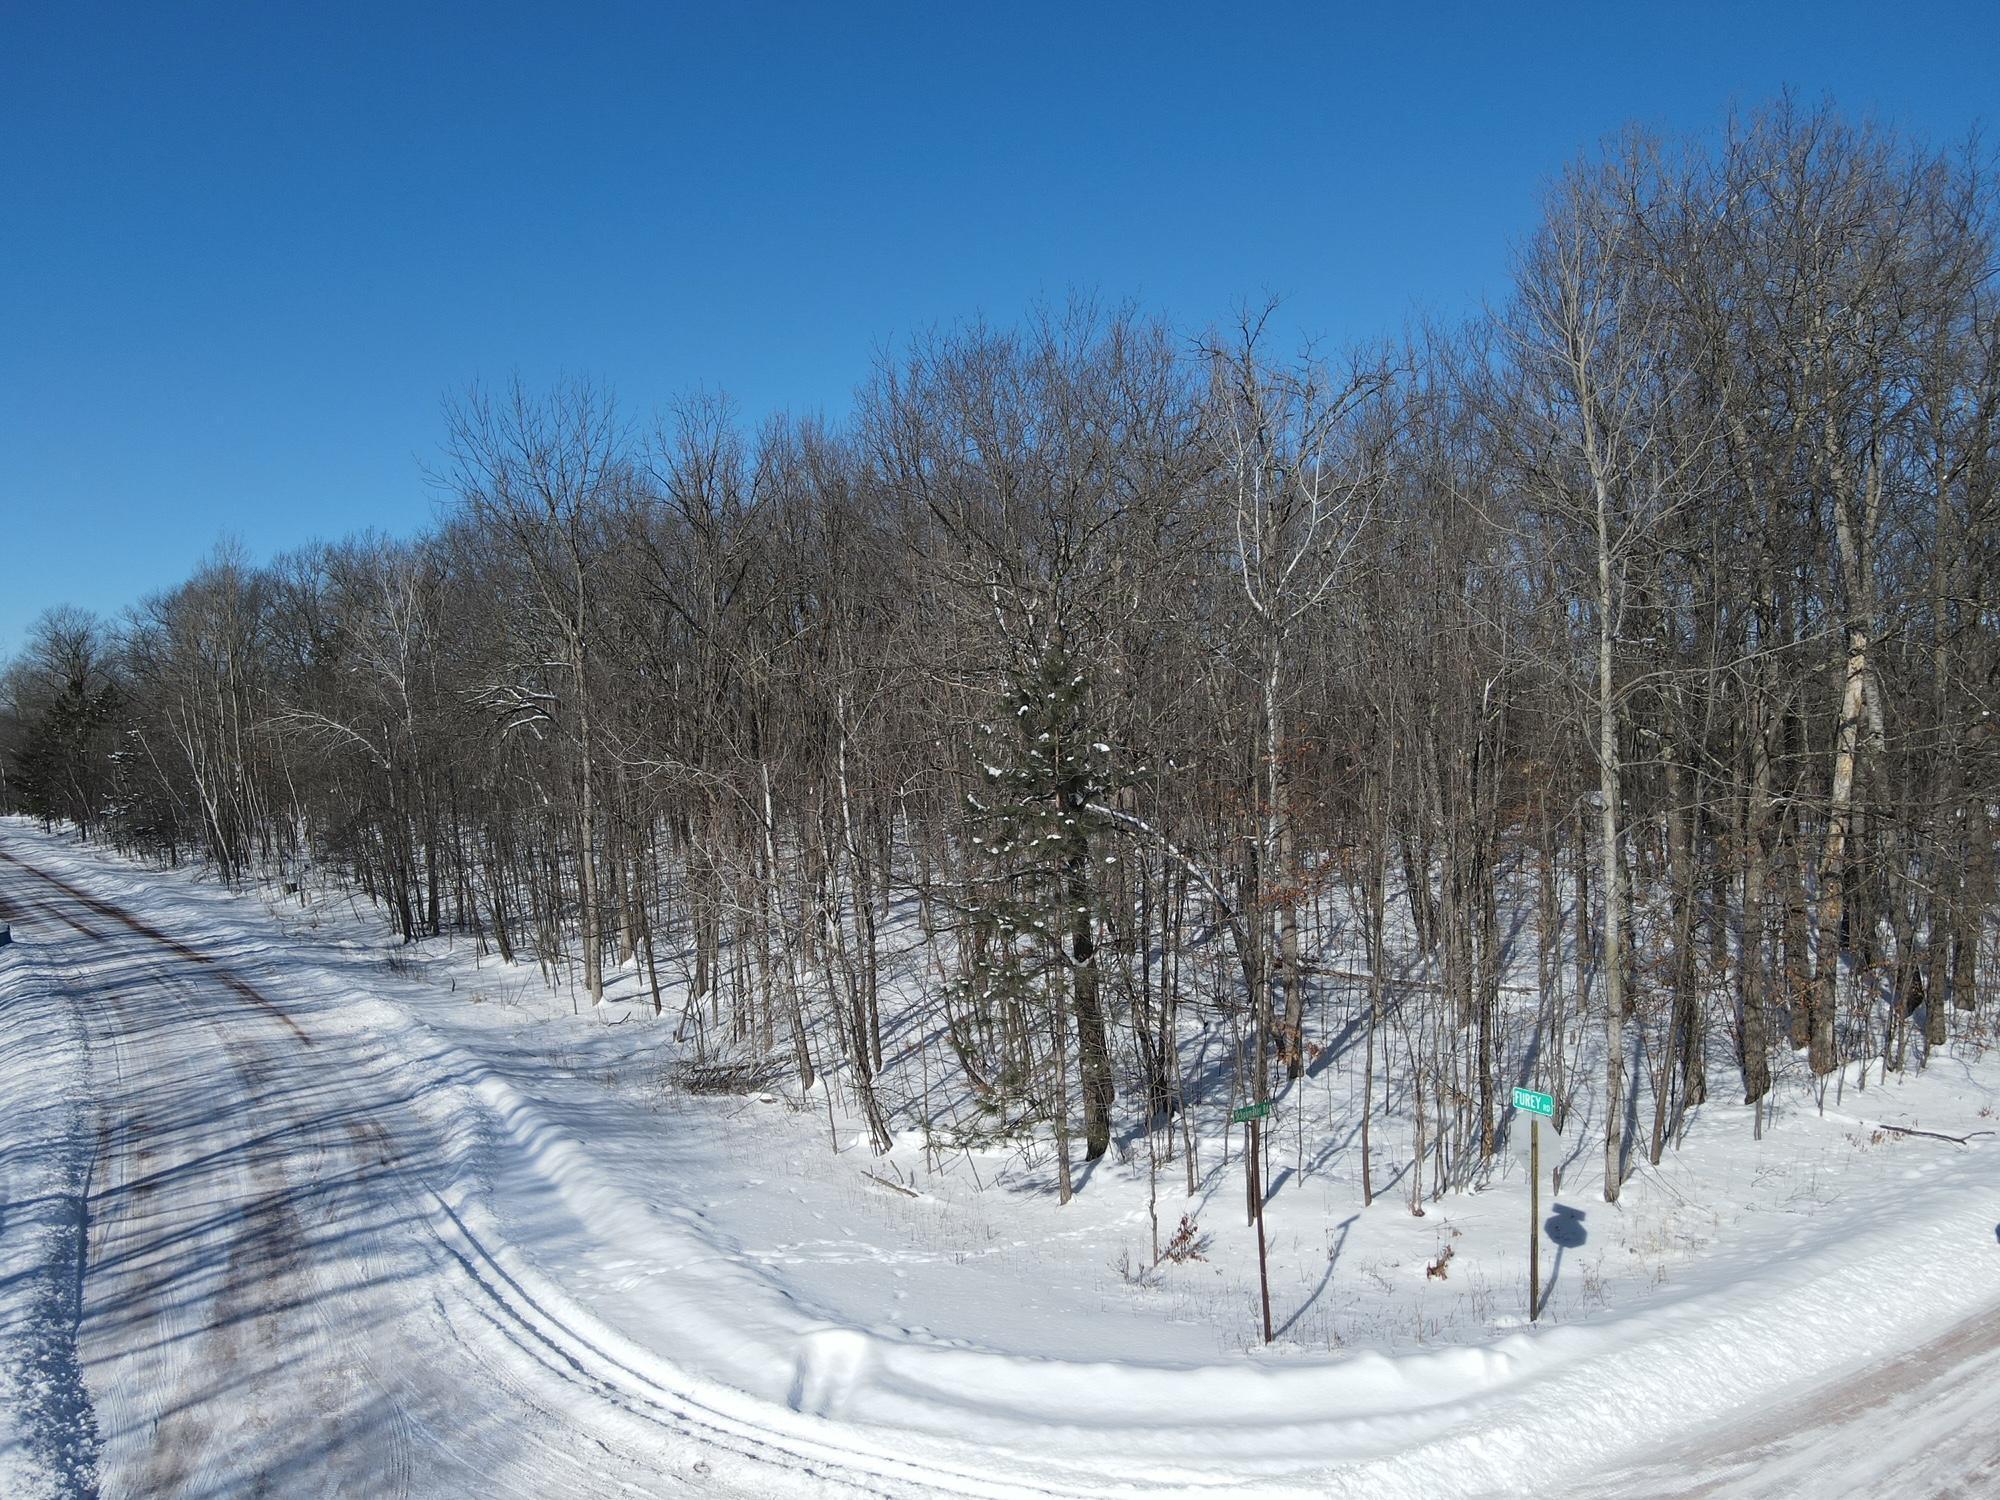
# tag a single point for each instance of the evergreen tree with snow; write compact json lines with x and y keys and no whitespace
{"x":1035,"y":827}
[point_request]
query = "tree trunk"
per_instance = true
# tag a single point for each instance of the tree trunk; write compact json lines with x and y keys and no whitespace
{"x":1616,"y":915}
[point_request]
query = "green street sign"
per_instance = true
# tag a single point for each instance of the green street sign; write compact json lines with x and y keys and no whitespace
{"x":1243,"y":1112}
{"x":1530,"y":1102}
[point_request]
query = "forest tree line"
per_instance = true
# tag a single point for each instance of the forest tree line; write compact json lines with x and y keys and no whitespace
{"x":1662,"y":604}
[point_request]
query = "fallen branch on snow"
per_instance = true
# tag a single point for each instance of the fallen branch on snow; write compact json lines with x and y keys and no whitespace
{"x":1934,"y":1135}
{"x":894,"y":1187}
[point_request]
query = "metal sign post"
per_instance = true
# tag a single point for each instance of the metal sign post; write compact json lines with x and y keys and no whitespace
{"x":1253,"y":1115}
{"x":1535,"y":1221}
{"x":1541,"y":1106}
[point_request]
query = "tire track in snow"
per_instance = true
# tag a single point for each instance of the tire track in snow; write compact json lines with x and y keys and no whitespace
{"x":49,"y":1221}
{"x":185,"y":1335}
{"x":1881,"y":1430}
{"x":521,"y":1341}
{"x":125,"y":919}
{"x":267,"y":1239}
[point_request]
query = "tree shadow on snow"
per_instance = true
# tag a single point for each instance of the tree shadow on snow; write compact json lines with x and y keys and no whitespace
{"x":1345,"y":1226}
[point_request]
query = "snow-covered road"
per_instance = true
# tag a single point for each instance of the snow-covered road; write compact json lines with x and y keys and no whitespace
{"x":267,"y":1308}
{"x":263,"y":1235}
{"x":279,"y":1294}
{"x":1917,"y":1423}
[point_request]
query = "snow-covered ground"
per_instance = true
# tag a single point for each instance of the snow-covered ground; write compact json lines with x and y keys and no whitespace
{"x":354,"y":1226}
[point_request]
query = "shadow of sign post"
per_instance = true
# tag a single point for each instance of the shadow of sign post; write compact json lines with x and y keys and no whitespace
{"x":1565,"y":1227}
{"x":1565,"y":1230}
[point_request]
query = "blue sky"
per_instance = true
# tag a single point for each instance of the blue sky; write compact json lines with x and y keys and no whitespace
{"x":245,"y":251}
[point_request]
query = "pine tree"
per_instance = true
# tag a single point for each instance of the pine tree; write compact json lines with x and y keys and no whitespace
{"x":63,"y":766}
{"x":1034,"y":833}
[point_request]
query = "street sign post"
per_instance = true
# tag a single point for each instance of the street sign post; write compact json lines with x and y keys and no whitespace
{"x":1251,"y":1115}
{"x":1542,"y":1107}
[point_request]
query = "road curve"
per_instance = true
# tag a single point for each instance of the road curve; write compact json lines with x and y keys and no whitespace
{"x":279,"y":1299}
